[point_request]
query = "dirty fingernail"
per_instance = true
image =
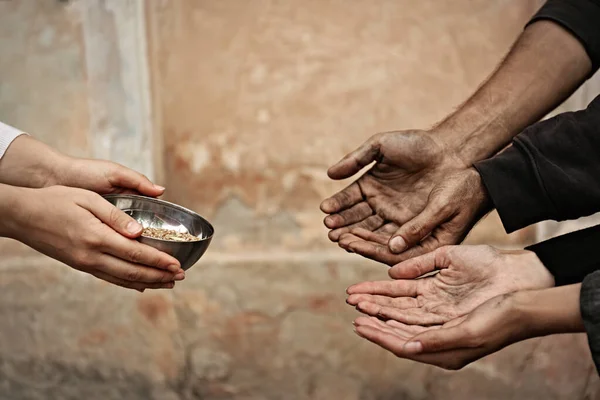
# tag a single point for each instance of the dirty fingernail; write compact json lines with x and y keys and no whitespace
{"x":397,"y":244}
{"x":133,"y":227}
{"x":413,"y":347}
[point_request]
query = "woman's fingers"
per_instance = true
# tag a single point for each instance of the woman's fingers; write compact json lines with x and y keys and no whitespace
{"x":131,"y":272}
{"x":128,"y":179}
{"x":111,"y":215}
{"x":139,"y":286}
{"x":139,"y":253}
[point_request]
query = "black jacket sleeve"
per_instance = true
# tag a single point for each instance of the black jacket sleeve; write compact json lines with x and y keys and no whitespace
{"x":581,"y":18}
{"x":551,"y":171}
{"x":571,"y":257}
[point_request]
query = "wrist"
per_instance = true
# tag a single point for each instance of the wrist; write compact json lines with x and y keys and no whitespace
{"x":30,"y":163}
{"x":478,"y":192}
{"x":60,"y":171}
{"x":527,"y":269}
{"x":548,"y":311}
{"x":12,"y":199}
{"x":472,"y":135}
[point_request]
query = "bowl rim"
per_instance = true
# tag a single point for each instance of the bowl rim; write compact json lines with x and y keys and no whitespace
{"x":165,"y":203}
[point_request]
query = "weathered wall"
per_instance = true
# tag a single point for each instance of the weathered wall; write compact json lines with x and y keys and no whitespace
{"x":42,"y":77}
{"x":252,"y":100}
{"x":258,"y":98}
{"x":42,"y":73}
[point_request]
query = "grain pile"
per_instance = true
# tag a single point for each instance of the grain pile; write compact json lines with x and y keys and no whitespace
{"x":167,"y":234}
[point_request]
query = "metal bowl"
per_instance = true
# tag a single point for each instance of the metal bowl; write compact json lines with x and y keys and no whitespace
{"x":155,"y":213}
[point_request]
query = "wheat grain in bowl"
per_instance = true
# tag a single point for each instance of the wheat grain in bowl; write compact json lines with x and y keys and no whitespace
{"x":174,"y":229}
{"x":169,"y":234}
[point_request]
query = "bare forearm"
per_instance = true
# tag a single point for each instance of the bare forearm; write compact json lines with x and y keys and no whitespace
{"x":30,"y":163}
{"x":549,"y":311}
{"x":544,"y":67}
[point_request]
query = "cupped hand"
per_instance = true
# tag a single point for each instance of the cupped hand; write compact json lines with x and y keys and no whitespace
{"x":408,"y":165}
{"x":498,"y":322}
{"x":81,"y":229}
{"x":453,"y":207}
{"x":489,"y":328}
{"x":104,"y":177}
{"x":467,"y":277}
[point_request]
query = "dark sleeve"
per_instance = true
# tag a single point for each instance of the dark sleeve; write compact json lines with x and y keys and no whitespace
{"x":551,"y":171}
{"x":581,"y":18}
{"x":589,"y":302}
{"x":571,"y":257}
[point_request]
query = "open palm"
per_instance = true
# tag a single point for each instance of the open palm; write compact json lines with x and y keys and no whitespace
{"x":468,"y":276}
{"x":454,"y":206}
{"x":408,"y":164}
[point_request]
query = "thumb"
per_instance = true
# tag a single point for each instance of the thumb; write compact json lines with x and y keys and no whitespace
{"x":126,"y":178}
{"x":435,"y":340}
{"x":413,"y":231}
{"x":113,"y":217}
{"x":356,"y":160}
{"x":415,"y":267}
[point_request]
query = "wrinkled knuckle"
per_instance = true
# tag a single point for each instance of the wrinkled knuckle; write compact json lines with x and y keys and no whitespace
{"x":445,"y":208}
{"x":343,"y":199}
{"x":383,"y":312}
{"x":156,"y":262}
{"x":135,"y":256}
{"x":115,"y":216}
{"x":418,"y":266}
{"x":414,"y":230}
{"x":443,"y":251}
{"x":134,"y":275}
{"x":83,"y":260}
{"x":92,"y":240}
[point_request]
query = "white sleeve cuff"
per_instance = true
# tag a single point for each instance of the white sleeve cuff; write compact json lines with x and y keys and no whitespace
{"x":7,"y":135}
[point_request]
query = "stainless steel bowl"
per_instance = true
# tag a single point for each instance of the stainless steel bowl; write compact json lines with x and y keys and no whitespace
{"x":155,"y":213}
